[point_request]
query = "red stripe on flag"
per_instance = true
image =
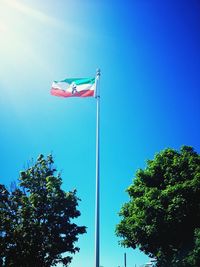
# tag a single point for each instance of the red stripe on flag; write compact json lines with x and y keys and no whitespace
{"x":63,"y":93}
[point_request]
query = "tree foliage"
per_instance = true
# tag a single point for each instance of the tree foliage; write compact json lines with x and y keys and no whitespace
{"x":36,"y":225}
{"x":162,"y":217}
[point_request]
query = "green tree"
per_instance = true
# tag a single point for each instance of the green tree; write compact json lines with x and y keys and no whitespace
{"x":36,"y":225}
{"x":162,"y":217}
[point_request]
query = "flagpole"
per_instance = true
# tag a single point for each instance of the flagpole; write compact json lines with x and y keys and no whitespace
{"x":97,"y":200}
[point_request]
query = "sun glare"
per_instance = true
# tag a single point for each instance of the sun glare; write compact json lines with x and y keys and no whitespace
{"x":20,"y":27}
{"x":29,"y":11}
{"x":2,"y":27}
{"x":20,"y":51}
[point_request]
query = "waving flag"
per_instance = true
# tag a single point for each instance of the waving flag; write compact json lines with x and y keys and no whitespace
{"x":74,"y":87}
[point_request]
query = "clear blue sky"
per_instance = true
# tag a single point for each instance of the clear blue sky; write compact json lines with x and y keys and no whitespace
{"x":149,"y":55}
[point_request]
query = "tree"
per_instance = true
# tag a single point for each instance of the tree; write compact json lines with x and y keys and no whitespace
{"x":162,"y":217}
{"x":35,"y":219}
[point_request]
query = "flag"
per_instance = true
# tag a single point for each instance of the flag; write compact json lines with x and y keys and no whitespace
{"x":74,"y":87}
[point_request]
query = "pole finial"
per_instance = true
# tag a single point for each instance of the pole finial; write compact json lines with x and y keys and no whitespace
{"x":98,"y":72}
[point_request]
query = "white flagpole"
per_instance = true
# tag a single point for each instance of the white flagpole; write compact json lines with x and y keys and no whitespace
{"x":97,"y":206}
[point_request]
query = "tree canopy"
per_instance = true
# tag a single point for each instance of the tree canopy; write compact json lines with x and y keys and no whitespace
{"x":36,"y":225}
{"x":162,"y":217}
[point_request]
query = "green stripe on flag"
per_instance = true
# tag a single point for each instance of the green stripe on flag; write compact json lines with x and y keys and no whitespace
{"x":78,"y":81}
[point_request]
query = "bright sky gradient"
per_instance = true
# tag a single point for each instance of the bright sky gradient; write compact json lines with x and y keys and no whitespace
{"x":149,"y":55}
